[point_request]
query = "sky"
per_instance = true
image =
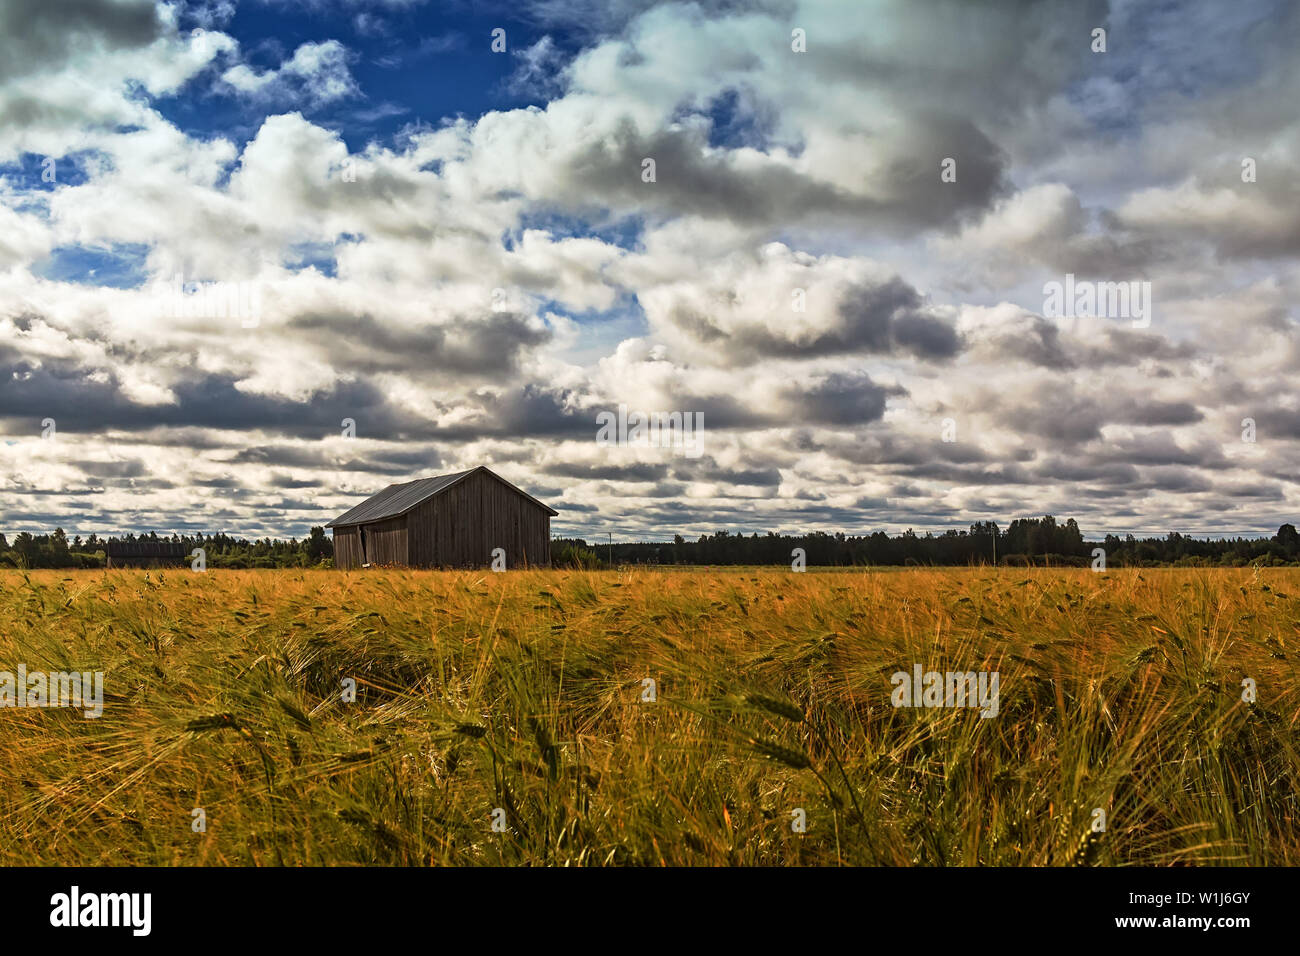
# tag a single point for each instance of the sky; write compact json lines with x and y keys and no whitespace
{"x":260,"y":259}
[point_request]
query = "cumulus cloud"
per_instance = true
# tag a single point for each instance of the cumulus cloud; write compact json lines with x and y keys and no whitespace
{"x":43,"y":36}
{"x":316,"y":73}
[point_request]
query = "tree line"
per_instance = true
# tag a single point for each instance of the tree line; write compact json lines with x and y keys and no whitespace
{"x":57,"y":550}
{"x":1025,"y":541}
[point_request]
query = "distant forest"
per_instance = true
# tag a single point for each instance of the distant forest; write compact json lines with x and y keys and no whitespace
{"x":57,"y":550}
{"x":1025,"y":541}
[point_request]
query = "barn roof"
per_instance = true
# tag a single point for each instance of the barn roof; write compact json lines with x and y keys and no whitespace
{"x":400,"y":498}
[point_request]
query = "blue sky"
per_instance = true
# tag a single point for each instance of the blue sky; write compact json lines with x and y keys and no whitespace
{"x":416,"y":65}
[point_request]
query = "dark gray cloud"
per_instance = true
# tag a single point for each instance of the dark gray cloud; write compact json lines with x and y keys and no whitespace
{"x":44,"y":35}
{"x":1040,"y":344}
{"x":1129,"y":347}
{"x":880,"y":447}
{"x":841,"y":399}
{"x":691,"y":179}
{"x":65,"y":391}
{"x":1059,"y":417}
{"x":882,"y":318}
{"x":707,"y":469}
{"x":637,"y":472}
{"x":489,"y":344}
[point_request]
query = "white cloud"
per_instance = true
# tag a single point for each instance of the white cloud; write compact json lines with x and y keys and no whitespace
{"x":317,"y":73}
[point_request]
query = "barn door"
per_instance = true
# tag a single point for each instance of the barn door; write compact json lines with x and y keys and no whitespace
{"x":365,"y":558}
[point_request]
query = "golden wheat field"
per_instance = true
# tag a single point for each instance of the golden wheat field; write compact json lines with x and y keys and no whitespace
{"x":507,"y":719}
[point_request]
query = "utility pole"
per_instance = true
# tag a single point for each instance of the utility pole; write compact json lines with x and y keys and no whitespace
{"x":611,"y":549}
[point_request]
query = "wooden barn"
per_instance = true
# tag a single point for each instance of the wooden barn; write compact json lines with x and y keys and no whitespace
{"x":445,"y":521}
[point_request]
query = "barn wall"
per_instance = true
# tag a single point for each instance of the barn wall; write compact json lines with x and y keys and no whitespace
{"x":347,"y":548}
{"x":461,"y":526}
{"x":385,"y":543}
{"x":422,"y":531}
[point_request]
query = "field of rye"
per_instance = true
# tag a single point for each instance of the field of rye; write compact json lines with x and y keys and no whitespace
{"x":521,"y":699}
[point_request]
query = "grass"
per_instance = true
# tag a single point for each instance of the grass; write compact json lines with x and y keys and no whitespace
{"x":525,"y":691}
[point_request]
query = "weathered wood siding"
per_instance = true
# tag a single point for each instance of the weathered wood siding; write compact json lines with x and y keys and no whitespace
{"x":382,"y":542}
{"x":460,"y":527}
{"x":347,"y":547}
